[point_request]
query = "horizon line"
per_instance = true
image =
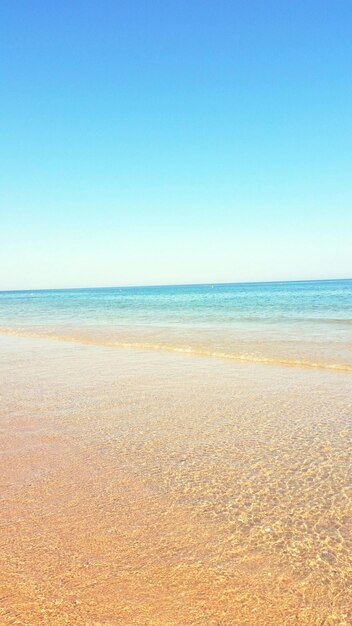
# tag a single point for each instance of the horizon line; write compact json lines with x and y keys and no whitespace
{"x":151,"y":286}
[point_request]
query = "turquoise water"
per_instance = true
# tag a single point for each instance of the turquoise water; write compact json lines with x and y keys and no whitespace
{"x":306,"y":323}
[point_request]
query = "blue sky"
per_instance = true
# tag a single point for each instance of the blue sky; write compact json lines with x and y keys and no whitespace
{"x":148,"y":142}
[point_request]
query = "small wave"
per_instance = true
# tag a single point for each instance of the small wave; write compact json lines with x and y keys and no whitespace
{"x":186,"y":350}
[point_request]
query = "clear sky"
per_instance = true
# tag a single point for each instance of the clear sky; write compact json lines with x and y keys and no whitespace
{"x":173,"y":141}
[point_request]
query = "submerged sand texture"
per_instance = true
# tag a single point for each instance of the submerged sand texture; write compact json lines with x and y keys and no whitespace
{"x":140,"y":488}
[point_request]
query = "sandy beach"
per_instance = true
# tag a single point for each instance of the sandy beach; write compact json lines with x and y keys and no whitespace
{"x":143,"y":488}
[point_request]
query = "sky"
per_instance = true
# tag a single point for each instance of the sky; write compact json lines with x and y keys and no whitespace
{"x":174,"y":141}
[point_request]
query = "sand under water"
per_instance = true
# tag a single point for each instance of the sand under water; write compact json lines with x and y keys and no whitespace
{"x":147,"y":488}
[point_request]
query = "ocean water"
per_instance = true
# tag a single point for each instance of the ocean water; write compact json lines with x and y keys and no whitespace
{"x":305,"y":324}
{"x":190,"y":479}
{"x":155,"y":488}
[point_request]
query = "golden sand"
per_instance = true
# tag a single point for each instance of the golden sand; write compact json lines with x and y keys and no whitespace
{"x":154,"y":489}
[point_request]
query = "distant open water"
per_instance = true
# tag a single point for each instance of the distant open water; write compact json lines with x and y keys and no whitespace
{"x":293,"y":323}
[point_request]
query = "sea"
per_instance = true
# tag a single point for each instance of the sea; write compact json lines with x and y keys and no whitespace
{"x":177,"y":455}
{"x":300,"y":324}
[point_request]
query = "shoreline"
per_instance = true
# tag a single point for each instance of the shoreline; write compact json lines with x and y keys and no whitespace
{"x":183,"y":350}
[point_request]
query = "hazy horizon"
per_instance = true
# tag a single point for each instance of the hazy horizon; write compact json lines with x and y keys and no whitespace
{"x":185,"y":284}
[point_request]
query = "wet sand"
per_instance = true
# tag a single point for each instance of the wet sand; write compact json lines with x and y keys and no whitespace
{"x":144,"y":488}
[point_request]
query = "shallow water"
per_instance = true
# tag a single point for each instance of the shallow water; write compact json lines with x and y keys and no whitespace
{"x":142,"y":487}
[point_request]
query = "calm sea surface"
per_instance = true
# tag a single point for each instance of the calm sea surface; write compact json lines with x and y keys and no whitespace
{"x":143,"y":486}
{"x":297,"y":323}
